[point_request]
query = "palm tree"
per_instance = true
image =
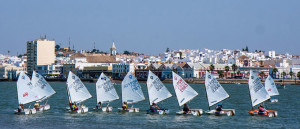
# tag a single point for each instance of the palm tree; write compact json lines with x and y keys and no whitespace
{"x":238,"y":72}
{"x":220,"y":72}
{"x":234,"y":68}
{"x":262,"y":74}
{"x":275,"y":70}
{"x":292,"y":74}
{"x":298,"y":75}
{"x":211,"y":67}
{"x":283,"y":74}
{"x":226,"y":69}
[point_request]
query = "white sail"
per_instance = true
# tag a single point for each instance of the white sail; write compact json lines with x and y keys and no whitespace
{"x":156,"y":89}
{"x":77,"y":91}
{"x":215,"y":92}
{"x":271,"y":87}
{"x":131,"y":89}
{"x":24,"y":88}
{"x":105,"y":90}
{"x":184,"y":91}
{"x":257,"y":90}
{"x":41,"y":87}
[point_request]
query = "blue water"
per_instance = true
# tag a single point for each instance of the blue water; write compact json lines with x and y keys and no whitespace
{"x":288,"y":111}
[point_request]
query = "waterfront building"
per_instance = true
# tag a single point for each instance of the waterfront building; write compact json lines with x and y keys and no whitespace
{"x":40,"y":52}
{"x":10,"y":71}
{"x":113,"y":49}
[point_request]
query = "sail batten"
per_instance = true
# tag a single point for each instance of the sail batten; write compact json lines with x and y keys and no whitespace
{"x":25,"y":89}
{"x":184,"y":92}
{"x":215,"y":92}
{"x":270,"y":86}
{"x":156,"y":89}
{"x":41,"y":87}
{"x":105,"y":90}
{"x":76,"y":89}
{"x":131,"y":89}
{"x":257,"y":90}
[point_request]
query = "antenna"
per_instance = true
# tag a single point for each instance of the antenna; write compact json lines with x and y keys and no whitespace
{"x":69,"y":43}
{"x":94,"y":45}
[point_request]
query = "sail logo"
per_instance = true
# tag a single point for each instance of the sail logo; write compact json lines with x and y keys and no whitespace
{"x":103,"y":78}
{"x":130,"y":76}
{"x":73,"y":77}
{"x":181,"y":85}
{"x":23,"y":77}
{"x":175,"y":78}
{"x":209,"y":76}
{"x":77,"y":85}
{"x":269,"y":89}
{"x":151,"y":77}
{"x":25,"y":94}
{"x":157,"y":84}
{"x":37,"y":75}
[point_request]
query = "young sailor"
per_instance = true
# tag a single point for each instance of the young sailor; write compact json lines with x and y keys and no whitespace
{"x":124,"y":106}
{"x":186,"y":109}
{"x":219,"y":108}
{"x":20,"y":108}
{"x":154,"y":107}
{"x":99,"y":105}
{"x":36,"y":105}
{"x":261,"y":109}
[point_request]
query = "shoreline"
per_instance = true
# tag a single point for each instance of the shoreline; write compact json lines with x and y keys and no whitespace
{"x":188,"y":80}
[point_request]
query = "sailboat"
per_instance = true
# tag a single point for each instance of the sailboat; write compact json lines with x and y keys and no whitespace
{"x":131,"y":92}
{"x":258,"y":94}
{"x":77,"y":93}
{"x":25,"y":94}
{"x":271,"y":88}
{"x":157,"y":93}
{"x":215,"y":93}
{"x":106,"y":92}
{"x":184,"y":93}
{"x":43,"y":90}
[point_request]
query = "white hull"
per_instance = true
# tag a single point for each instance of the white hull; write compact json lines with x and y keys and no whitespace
{"x":224,"y":112}
{"x":195,"y":112}
{"x":43,"y":108}
{"x":104,"y":109}
{"x":273,"y":100}
{"x":82,"y":109}
{"x":129,"y":110}
{"x":160,"y":112}
{"x":26,"y":112}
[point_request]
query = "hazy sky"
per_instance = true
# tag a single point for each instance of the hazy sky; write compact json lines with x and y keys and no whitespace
{"x":150,"y":27}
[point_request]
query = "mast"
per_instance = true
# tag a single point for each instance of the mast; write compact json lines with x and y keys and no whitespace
{"x":250,"y":93}
{"x":206,"y":97}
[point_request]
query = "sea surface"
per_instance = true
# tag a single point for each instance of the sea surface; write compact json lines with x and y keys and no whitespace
{"x":288,"y":109}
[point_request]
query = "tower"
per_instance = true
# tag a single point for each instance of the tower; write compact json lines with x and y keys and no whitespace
{"x":113,"y":49}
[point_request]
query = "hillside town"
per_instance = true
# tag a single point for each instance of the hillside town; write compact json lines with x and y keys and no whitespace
{"x":53,"y":61}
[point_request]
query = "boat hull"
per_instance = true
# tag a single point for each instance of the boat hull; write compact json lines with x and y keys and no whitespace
{"x":269,"y":113}
{"x":159,"y":111}
{"x":224,"y":112}
{"x":26,"y":112}
{"x":273,"y":100}
{"x":82,"y":109}
{"x":43,"y":108}
{"x":129,"y":110}
{"x":195,"y":112}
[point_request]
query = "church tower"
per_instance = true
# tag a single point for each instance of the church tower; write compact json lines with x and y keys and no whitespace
{"x":113,"y":49}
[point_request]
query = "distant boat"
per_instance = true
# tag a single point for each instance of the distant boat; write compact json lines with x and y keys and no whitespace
{"x":271,"y":88}
{"x":215,"y":93}
{"x":106,"y":92}
{"x":258,"y":94}
{"x":77,"y":93}
{"x":25,"y":94}
{"x":43,"y":90}
{"x":131,"y":92}
{"x":184,"y":93}
{"x":157,"y":92}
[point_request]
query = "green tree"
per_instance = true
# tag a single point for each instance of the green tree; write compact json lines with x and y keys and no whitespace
{"x":238,"y":72}
{"x":57,"y":47}
{"x":226,"y":69}
{"x":274,"y":71}
{"x":234,"y":68}
{"x":291,"y":74}
{"x":246,"y":49}
{"x":283,"y":74}
{"x":126,"y":52}
{"x":167,"y":50}
{"x":220,"y":72}
{"x":298,"y":75}
{"x":211,"y":67}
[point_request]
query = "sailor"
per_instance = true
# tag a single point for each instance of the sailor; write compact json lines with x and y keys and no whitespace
{"x":154,"y":107}
{"x":261,"y":109}
{"x":185,"y":109}
{"x":20,"y":108}
{"x":219,"y":108}
{"x":99,"y":105}
{"x":124,"y":106}
{"x":36,"y":105}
